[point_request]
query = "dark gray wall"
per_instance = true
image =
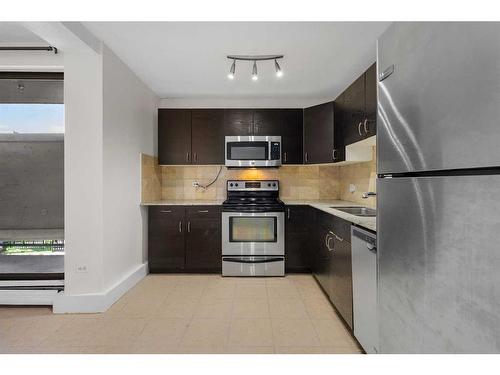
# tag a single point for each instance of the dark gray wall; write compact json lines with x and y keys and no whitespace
{"x":31,"y":181}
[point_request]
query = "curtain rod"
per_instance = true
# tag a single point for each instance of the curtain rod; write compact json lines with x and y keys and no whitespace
{"x":48,"y":48}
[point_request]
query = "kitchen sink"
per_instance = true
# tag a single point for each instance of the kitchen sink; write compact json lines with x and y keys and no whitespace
{"x":358,"y":211}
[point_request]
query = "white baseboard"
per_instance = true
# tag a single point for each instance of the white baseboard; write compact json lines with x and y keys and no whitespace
{"x":98,"y":302}
{"x":27,"y":297}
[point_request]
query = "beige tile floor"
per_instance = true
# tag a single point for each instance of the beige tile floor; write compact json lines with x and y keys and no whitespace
{"x":189,"y":314}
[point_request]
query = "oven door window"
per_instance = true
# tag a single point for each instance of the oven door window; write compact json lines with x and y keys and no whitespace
{"x":253,"y":229}
{"x":247,"y":150}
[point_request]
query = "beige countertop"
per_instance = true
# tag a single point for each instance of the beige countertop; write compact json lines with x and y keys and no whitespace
{"x":185,"y":202}
{"x":323,"y":205}
{"x":328,"y":207}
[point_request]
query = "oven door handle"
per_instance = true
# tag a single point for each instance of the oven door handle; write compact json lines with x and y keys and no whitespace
{"x":269,"y":260}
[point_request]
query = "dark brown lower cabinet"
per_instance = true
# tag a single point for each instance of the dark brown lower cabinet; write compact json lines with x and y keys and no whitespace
{"x":166,"y":238}
{"x":341,"y":276}
{"x":297,"y":239}
{"x":332,"y":262}
{"x":203,"y":239}
{"x":184,"y":239}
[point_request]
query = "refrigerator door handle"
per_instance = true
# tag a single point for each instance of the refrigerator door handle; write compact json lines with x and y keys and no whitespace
{"x":386,"y":73}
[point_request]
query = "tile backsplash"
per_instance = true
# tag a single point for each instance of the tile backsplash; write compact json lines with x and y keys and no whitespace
{"x":297,"y":181}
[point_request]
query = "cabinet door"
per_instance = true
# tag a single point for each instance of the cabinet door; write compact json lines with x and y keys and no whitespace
{"x":318,"y":134}
{"x":370,"y":127}
{"x":297,"y":239}
{"x":166,"y":238}
{"x":323,"y":259}
{"x":207,"y":136}
{"x":203,"y":239}
{"x":354,"y":111}
{"x":341,"y":278}
{"x":292,"y":136}
{"x":267,"y":121}
{"x":238,"y":122}
{"x":174,"y":136}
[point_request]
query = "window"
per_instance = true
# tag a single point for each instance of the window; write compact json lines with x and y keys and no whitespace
{"x":31,"y":118}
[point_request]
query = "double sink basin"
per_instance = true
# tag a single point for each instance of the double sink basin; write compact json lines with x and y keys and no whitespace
{"x":358,"y":211}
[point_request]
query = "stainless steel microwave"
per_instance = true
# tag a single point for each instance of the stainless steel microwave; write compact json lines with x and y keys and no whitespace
{"x":253,"y":151}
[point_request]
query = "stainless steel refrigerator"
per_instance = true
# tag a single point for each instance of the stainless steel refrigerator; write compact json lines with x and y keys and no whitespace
{"x":438,"y":218}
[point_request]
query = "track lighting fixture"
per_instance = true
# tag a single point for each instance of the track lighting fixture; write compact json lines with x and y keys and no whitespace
{"x":232,"y":70}
{"x":255,"y":77}
{"x":254,"y":58}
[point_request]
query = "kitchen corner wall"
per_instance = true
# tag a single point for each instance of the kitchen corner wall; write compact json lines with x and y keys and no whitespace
{"x":363,"y":176}
{"x":309,"y":182}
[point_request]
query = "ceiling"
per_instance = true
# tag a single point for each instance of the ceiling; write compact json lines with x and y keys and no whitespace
{"x":14,"y":34}
{"x":188,"y":59}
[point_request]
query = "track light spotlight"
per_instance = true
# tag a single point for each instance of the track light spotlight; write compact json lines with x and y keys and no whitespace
{"x":277,"y":66}
{"x":232,"y":70}
{"x":255,"y":77}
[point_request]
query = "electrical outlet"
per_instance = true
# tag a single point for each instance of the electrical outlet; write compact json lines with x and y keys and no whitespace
{"x":196,"y":183}
{"x":81,"y":268}
{"x":352,"y":188}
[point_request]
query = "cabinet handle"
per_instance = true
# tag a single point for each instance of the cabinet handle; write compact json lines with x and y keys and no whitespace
{"x":166,"y":211}
{"x":334,"y":154}
{"x":203,"y":211}
{"x":284,"y":156}
{"x":359,"y":128}
{"x":306,"y":157}
{"x":189,"y":227}
{"x":187,"y":157}
{"x":180,"y":226}
{"x":195,"y":158}
{"x":365,"y":125}
{"x":337,"y":237}
{"x":288,"y":213}
{"x":328,"y":245}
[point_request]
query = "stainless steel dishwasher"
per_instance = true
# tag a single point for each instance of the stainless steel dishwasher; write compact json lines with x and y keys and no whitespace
{"x":364,"y":288}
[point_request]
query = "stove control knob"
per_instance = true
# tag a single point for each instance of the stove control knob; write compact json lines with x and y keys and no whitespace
{"x":274,"y":184}
{"x":269,"y":184}
{"x":231,"y":184}
{"x":236,"y":184}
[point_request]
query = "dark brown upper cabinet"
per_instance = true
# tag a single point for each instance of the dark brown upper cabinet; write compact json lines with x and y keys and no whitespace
{"x":319,"y":143}
{"x":292,"y":136}
{"x":207,"y":136}
{"x":238,"y":122}
{"x":267,"y":121}
{"x":358,"y":104}
{"x":371,"y":100}
{"x":174,"y":136}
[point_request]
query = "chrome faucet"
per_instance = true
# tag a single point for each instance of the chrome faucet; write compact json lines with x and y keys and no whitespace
{"x":367,"y":194}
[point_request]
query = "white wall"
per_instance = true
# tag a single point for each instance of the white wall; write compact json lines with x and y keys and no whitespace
{"x":83,"y":170}
{"x":129,"y":126}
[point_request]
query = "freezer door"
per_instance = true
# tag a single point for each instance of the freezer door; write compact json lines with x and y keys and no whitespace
{"x":440,"y":106}
{"x":439,"y":264}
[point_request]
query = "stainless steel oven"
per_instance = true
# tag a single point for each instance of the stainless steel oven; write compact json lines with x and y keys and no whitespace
{"x":253,"y":229}
{"x":253,"y":151}
{"x":253,"y":233}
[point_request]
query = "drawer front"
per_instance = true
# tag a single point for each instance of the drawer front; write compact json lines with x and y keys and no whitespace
{"x":339,"y":226}
{"x":342,"y":228}
{"x":253,"y":266}
{"x":166,"y":212}
{"x":204,"y":211}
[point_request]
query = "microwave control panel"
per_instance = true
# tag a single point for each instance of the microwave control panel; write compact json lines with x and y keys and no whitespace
{"x":275,"y":151}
